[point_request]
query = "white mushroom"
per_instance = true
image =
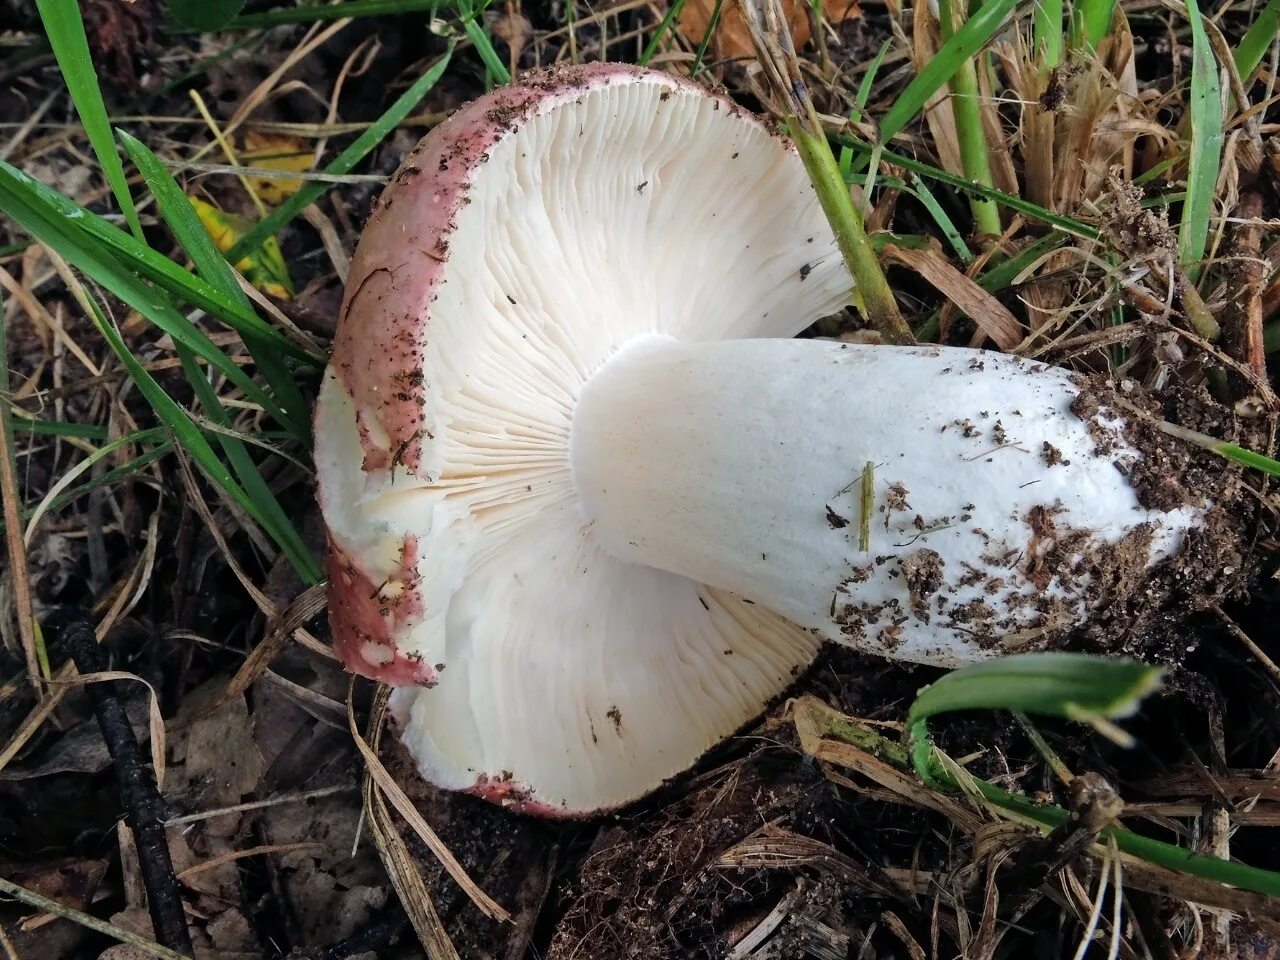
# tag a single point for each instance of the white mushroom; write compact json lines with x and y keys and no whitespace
{"x":593,"y":524}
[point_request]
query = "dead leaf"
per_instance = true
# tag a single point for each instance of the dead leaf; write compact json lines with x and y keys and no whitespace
{"x":265,"y":267}
{"x":82,"y":749}
{"x":992,"y":317}
{"x":733,"y":41}
{"x":274,"y":151}
{"x":513,"y":29}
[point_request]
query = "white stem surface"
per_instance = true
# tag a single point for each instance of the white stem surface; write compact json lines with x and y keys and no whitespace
{"x":997,"y":515}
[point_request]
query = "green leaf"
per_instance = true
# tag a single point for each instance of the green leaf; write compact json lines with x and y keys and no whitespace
{"x":65,"y":30}
{"x":968,"y":40}
{"x":212,"y":267}
{"x":1206,"y":144}
{"x":343,"y":162}
{"x":205,"y":15}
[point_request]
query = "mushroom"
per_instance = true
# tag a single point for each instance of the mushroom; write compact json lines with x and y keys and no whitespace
{"x":591,"y":509}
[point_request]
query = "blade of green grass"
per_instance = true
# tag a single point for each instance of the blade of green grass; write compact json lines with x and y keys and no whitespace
{"x":1091,"y":19}
{"x":137,"y":258}
{"x":1047,"y":33}
{"x":468,"y":12}
{"x":1052,"y":816}
{"x":205,"y":15}
{"x":706,"y":38}
{"x":963,"y":44}
{"x":1033,"y":210}
{"x":104,"y":479}
{"x":1206,"y":144}
{"x":343,"y":162}
{"x":1057,"y":684}
{"x":65,"y":30}
{"x":920,"y":190}
{"x":58,"y":428}
{"x":966,"y":107}
{"x":186,"y":433}
{"x":182,"y":219}
{"x":212,"y":267}
{"x":310,"y":13}
{"x":77,"y":249}
{"x":672,"y":14}
{"x":1253,"y":46}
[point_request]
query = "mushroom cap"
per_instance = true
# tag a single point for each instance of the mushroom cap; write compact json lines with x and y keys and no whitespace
{"x":520,"y":245}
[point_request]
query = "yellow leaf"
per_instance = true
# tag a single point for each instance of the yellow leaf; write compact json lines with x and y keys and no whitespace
{"x":264,"y":268}
{"x":276,"y":152}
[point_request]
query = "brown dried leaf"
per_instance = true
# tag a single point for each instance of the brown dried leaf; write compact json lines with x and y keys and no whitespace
{"x":991,"y":316}
{"x":732,"y":39}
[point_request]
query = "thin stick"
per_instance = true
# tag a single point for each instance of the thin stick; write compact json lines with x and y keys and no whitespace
{"x":261,"y":804}
{"x":31,"y":898}
{"x":143,"y":807}
{"x":18,"y":572}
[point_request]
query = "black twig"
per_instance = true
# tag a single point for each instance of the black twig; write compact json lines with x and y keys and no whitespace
{"x":143,"y":808}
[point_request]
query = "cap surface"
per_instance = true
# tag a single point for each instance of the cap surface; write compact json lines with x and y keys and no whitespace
{"x":519,"y":247}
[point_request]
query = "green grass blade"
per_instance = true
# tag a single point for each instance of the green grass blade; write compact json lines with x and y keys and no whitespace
{"x":484,"y":46}
{"x":1206,"y":144}
{"x":211,"y":266}
{"x":1057,"y":684}
{"x":966,"y":107}
{"x":190,"y":437}
{"x":1033,"y":210}
{"x":664,"y":27}
{"x":1047,"y":33}
{"x":920,"y":190}
{"x":1262,"y":33}
{"x":272,"y":516}
{"x":64,"y":214}
{"x":343,"y":162}
{"x":706,"y":37}
{"x":1092,"y":20}
{"x":65,"y":30}
{"x":58,"y":428}
{"x":98,"y":264}
{"x":868,"y":81}
{"x":1249,"y":458}
{"x":311,"y":13}
{"x":1073,"y":685}
{"x":966,"y":41}
{"x":205,"y":15}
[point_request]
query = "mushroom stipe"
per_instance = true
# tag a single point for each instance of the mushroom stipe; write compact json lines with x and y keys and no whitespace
{"x":590,"y":508}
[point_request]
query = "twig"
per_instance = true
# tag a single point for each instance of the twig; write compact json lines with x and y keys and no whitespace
{"x":33,"y":899}
{"x":142,"y":804}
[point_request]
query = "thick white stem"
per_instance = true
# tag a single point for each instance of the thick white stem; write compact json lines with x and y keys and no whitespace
{"x":993,"y":515}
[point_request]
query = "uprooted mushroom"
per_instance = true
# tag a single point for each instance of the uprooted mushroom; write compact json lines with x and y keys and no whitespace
{"x":590,"y":508}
